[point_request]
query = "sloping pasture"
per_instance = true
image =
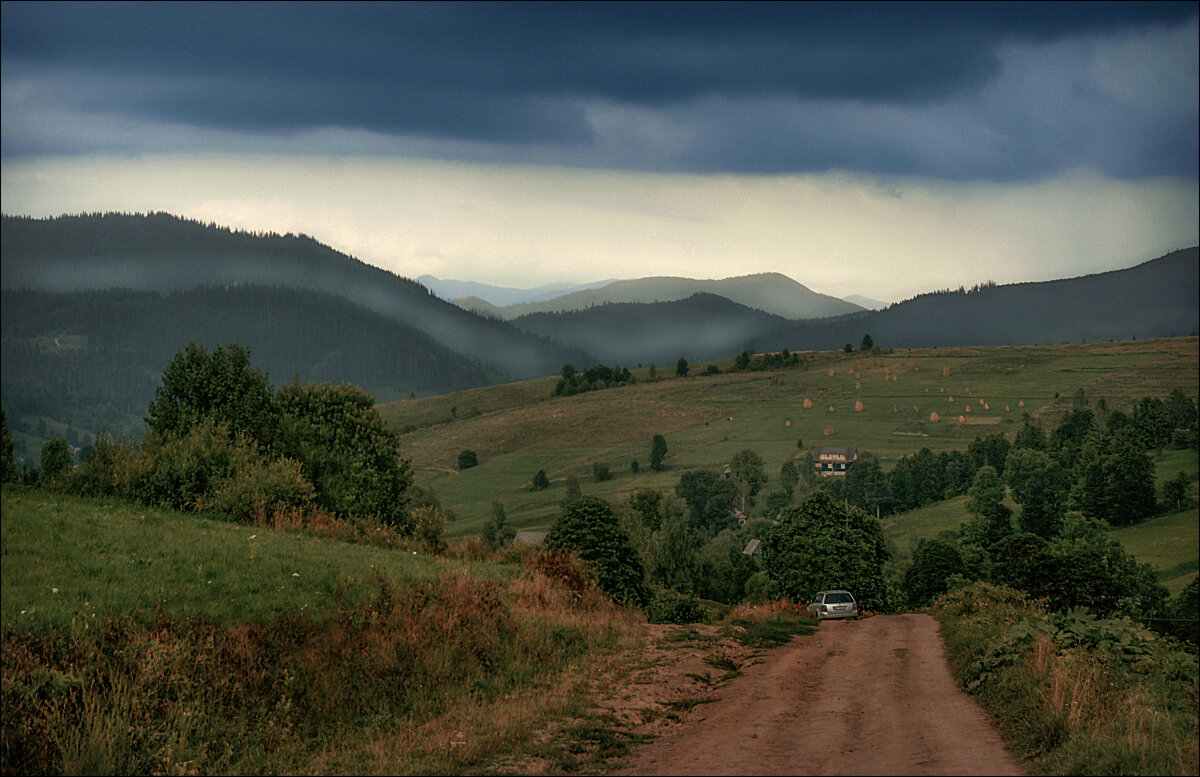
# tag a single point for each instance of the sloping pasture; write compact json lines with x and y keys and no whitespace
{"x":520,"y":428}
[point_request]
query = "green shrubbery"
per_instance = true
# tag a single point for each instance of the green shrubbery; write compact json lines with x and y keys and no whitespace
{"x":219,"y":439}
{"x":1073,"y":692}
{"x":674,"y":607}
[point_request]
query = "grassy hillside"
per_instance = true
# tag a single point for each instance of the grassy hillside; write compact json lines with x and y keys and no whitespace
{"x":520,"y":428}
{"x":145,"y":641}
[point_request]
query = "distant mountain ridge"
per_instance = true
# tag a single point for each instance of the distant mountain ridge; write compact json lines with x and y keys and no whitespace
{"x":1157,"y":298}
{"x":499,"y":296}
{"x":1154,"y":299}
{"x":772,"y":293}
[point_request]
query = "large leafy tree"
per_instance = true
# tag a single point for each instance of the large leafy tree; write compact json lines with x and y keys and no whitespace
{"x":822,"y":544}
{"x":750,"y":470}
{"x":934,"y":561}
{"x":710,"y":499}
{"x":658,"y":451}
{"x":1128,"y":485}
{"x":346,"y":451}
{"x":56,"y":458}
{"x":221,"y":387}
{"x":991,"y":519}
{"x":1039,"y":484}
{"x":590,"y":527}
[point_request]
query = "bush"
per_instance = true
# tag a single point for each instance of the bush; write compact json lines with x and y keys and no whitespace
{"x":589,"y":526}
{"x":600,"y":472}
{"x":256,"y":489}
{"x":100,"y":474}
{"x":673,"y":607}
{"x":467,"y":459}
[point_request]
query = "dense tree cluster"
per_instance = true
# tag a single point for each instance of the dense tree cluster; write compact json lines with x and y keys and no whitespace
{"x":593,"y":378}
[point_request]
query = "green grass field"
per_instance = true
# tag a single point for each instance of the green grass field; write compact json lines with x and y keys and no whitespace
{"x":69,"y":558}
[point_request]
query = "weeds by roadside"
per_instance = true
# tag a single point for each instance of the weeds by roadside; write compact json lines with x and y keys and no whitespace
{"x":1073,"y":693}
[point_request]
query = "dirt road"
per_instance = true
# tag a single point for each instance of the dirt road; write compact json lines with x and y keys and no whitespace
{"x":858,"y":697}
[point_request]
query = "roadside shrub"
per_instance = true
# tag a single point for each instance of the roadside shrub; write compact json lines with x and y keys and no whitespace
{"x":673,"y":607}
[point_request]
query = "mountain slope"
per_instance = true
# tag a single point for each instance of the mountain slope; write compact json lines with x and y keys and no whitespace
{"x":93,"y":359}
{"x":769,"y":292}
{"x":163,"y":253}
{"x":1158,"y":298}
{"x":699,"y":328}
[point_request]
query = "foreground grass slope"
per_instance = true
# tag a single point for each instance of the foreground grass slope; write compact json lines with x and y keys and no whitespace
{"x":145,"y":641}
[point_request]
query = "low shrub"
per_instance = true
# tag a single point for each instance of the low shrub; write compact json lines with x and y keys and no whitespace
{"x":674,"y":607}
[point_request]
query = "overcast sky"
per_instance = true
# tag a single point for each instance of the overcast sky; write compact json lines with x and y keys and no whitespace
{"x":881,"y":149}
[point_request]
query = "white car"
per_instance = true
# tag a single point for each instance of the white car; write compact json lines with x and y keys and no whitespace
{"x":834,"y":604}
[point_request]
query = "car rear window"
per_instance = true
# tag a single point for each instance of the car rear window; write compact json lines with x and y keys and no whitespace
{"x":838,"y":598}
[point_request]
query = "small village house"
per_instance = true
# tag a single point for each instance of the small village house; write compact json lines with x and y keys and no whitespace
{"x":834,"y":460}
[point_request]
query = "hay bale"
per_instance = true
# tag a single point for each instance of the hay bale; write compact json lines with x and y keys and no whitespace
{"x":1007,"y":409}
{"x":952,"y":400}
{"x":968,"y":390}
{"x":1021,"y":403}
{"x":934,"y":417}
{"x":962,"y":419}
{"x":895,"y":410}
{"x":916,"y":409}
{"x":857,"y":385}
{"x":968,"y":408}
{"x":787,"y":423}
{"x":945,"y":372}
{"x":828,"y":430}
{"x":986,"y":406}
{"x":981,"y":400}
{"x":858,"y":406}
{"x":807,"y":403}
{"x":832,"y":372}
{"x":831,"y":408}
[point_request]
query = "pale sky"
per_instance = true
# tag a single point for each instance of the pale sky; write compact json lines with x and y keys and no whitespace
{"x":882,"y":150}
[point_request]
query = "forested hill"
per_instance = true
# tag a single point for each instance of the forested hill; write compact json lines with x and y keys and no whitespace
{"x":92,"y":359}
{"x":1158,"y":298}
{"x":163,"y":253}
{"x":700,"y":328}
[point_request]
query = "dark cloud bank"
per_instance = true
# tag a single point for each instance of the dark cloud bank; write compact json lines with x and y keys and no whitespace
{"x":896,"y":88}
